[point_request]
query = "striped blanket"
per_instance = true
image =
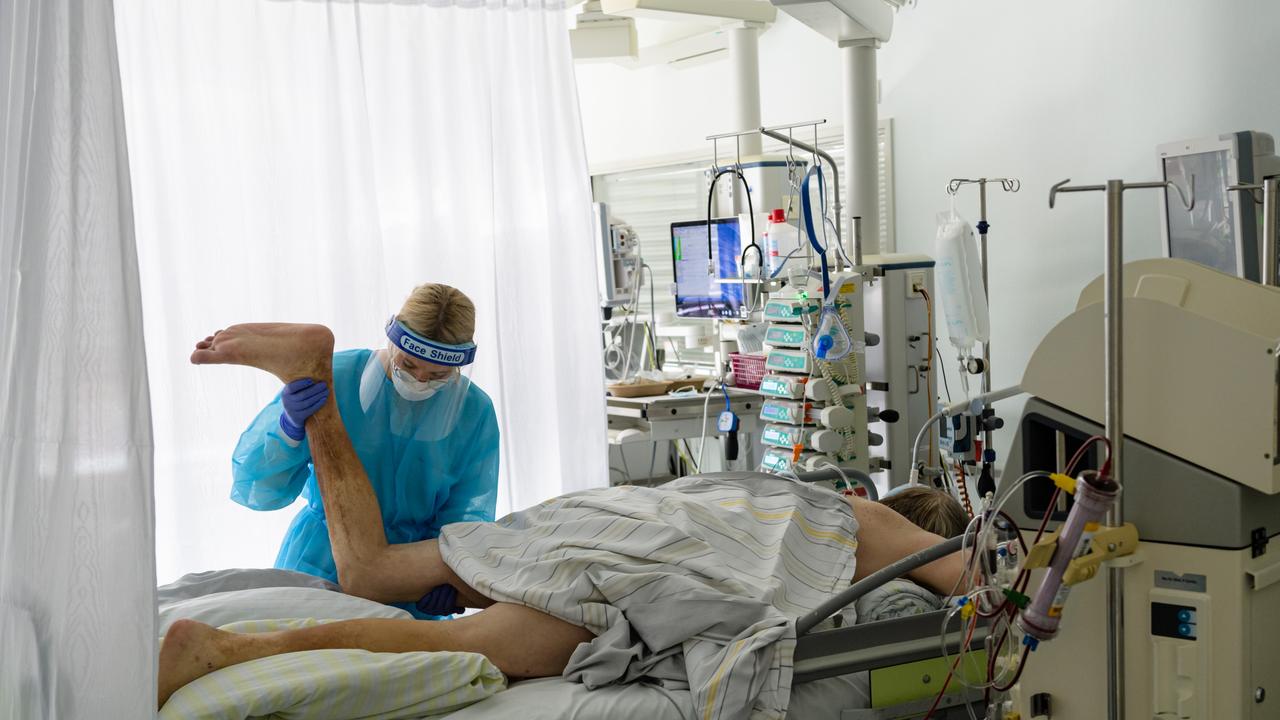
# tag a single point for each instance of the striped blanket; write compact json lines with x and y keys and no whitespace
{"x":696,"y":583}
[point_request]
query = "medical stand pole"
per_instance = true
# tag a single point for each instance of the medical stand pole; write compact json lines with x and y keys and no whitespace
{"x":1008,"y":185}
{"x":1113,"y":409}
{"x":1113,"y":349}
{"x":1269,"y":189}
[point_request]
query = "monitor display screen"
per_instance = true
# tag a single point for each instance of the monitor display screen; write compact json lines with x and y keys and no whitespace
{"x":1207,"y":234}
{"x":697,"y":295}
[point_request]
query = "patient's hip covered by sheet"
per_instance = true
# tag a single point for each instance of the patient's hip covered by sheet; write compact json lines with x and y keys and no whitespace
{"x":698,"y":581}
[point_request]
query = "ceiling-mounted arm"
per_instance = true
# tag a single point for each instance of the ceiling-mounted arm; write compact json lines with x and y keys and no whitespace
{"x":844,"y":21}
{"x":753,"y":11}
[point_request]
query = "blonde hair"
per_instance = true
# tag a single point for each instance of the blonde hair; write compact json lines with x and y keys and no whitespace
{"x":441,"y":313}
{"x":930,"y":509}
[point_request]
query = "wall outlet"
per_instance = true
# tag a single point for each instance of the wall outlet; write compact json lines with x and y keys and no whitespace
{"x":915,"y":283}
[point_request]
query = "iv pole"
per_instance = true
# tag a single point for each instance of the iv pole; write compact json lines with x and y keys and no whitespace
{"x":1269,"y":187}
{"x":1009,"y":185}
{"x":1113,"y":338}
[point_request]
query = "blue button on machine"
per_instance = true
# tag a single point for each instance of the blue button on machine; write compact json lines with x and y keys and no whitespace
{"x":1185,"y":616}
{"x":1184,"y":630}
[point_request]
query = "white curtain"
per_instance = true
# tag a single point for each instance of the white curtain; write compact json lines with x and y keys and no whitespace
{"x":77,"y":575}
{"x":306,"y":160}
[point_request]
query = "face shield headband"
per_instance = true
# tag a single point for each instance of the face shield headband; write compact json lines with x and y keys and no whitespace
{"x":415,"y":345}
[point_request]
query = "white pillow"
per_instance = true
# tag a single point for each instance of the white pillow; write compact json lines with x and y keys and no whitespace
{"x":275,"y":603}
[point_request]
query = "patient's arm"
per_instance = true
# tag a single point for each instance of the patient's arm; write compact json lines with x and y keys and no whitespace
{"x":884,"y":537}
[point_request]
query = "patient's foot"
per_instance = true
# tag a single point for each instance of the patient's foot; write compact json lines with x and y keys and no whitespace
{"x":190,"y":651}
{"x":286,"y":350}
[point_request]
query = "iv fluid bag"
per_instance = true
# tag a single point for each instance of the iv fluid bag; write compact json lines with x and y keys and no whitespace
{"x":958,"y":274}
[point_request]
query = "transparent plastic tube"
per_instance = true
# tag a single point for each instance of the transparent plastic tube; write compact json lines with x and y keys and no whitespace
{"x":1093,"y":497}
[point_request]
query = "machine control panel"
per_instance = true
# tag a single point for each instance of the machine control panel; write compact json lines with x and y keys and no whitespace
{"x":1173,"y":621}
{"x":1181,"y":648}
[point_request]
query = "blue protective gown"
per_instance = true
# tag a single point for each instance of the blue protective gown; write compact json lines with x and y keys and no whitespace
{"x":423,"y":482}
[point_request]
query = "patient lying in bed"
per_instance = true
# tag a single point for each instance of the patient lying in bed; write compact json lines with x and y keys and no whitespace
{"x":695,"y":582}
{"x":929,"y":509}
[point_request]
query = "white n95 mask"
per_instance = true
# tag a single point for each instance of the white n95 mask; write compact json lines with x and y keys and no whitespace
{"x":412,"y":389}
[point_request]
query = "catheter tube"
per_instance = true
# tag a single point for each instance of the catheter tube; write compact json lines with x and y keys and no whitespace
{"x":876,"y":579}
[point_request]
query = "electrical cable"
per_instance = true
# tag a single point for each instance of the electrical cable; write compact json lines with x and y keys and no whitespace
{"x":928,"y":309}
{"x":706,"y":415}
{"x":839,"y":245}
{"x":756,"y":294}
{"x":783,"y":264}
{"x":942,"y":371}
{"x":653,"y":317}
{"x":630,"y":319}
{"x":751,"y":213}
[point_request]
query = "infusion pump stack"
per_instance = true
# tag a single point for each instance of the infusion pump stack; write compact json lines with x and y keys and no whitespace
{"x":617,"y":259}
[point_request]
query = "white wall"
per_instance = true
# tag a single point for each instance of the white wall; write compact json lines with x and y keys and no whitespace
{"x":1037,"y":90}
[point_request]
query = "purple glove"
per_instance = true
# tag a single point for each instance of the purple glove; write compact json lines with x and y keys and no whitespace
{"x":301,"y":399}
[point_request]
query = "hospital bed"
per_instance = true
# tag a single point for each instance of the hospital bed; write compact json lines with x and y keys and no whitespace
{"x":865,"y":671}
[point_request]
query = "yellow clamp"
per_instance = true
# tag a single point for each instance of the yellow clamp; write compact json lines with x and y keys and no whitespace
{"x":1107,"y":543}
{"x":1065,"y":483}
{"x":1041,"y":554}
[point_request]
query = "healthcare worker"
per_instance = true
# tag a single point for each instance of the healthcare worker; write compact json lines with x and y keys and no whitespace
{"x":426,"y":435}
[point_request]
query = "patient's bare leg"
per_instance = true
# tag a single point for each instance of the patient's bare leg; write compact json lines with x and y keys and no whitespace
{"x":286,"y":350}
{"x":520,"y":641}
{"x":367,"y":565}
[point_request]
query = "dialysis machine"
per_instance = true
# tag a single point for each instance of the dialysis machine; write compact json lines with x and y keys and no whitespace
{"x":1201,"y":483}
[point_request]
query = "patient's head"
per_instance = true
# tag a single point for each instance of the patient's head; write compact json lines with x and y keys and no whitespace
{"x":929,"y":508}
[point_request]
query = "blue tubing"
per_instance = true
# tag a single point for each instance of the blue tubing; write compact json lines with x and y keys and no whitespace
{"x":806,"y":211}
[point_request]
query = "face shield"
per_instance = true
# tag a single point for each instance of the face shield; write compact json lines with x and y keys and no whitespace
{"x":424,"y":382}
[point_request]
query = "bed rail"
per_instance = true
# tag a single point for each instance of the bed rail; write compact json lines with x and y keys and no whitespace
{"x":886,"y":643}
